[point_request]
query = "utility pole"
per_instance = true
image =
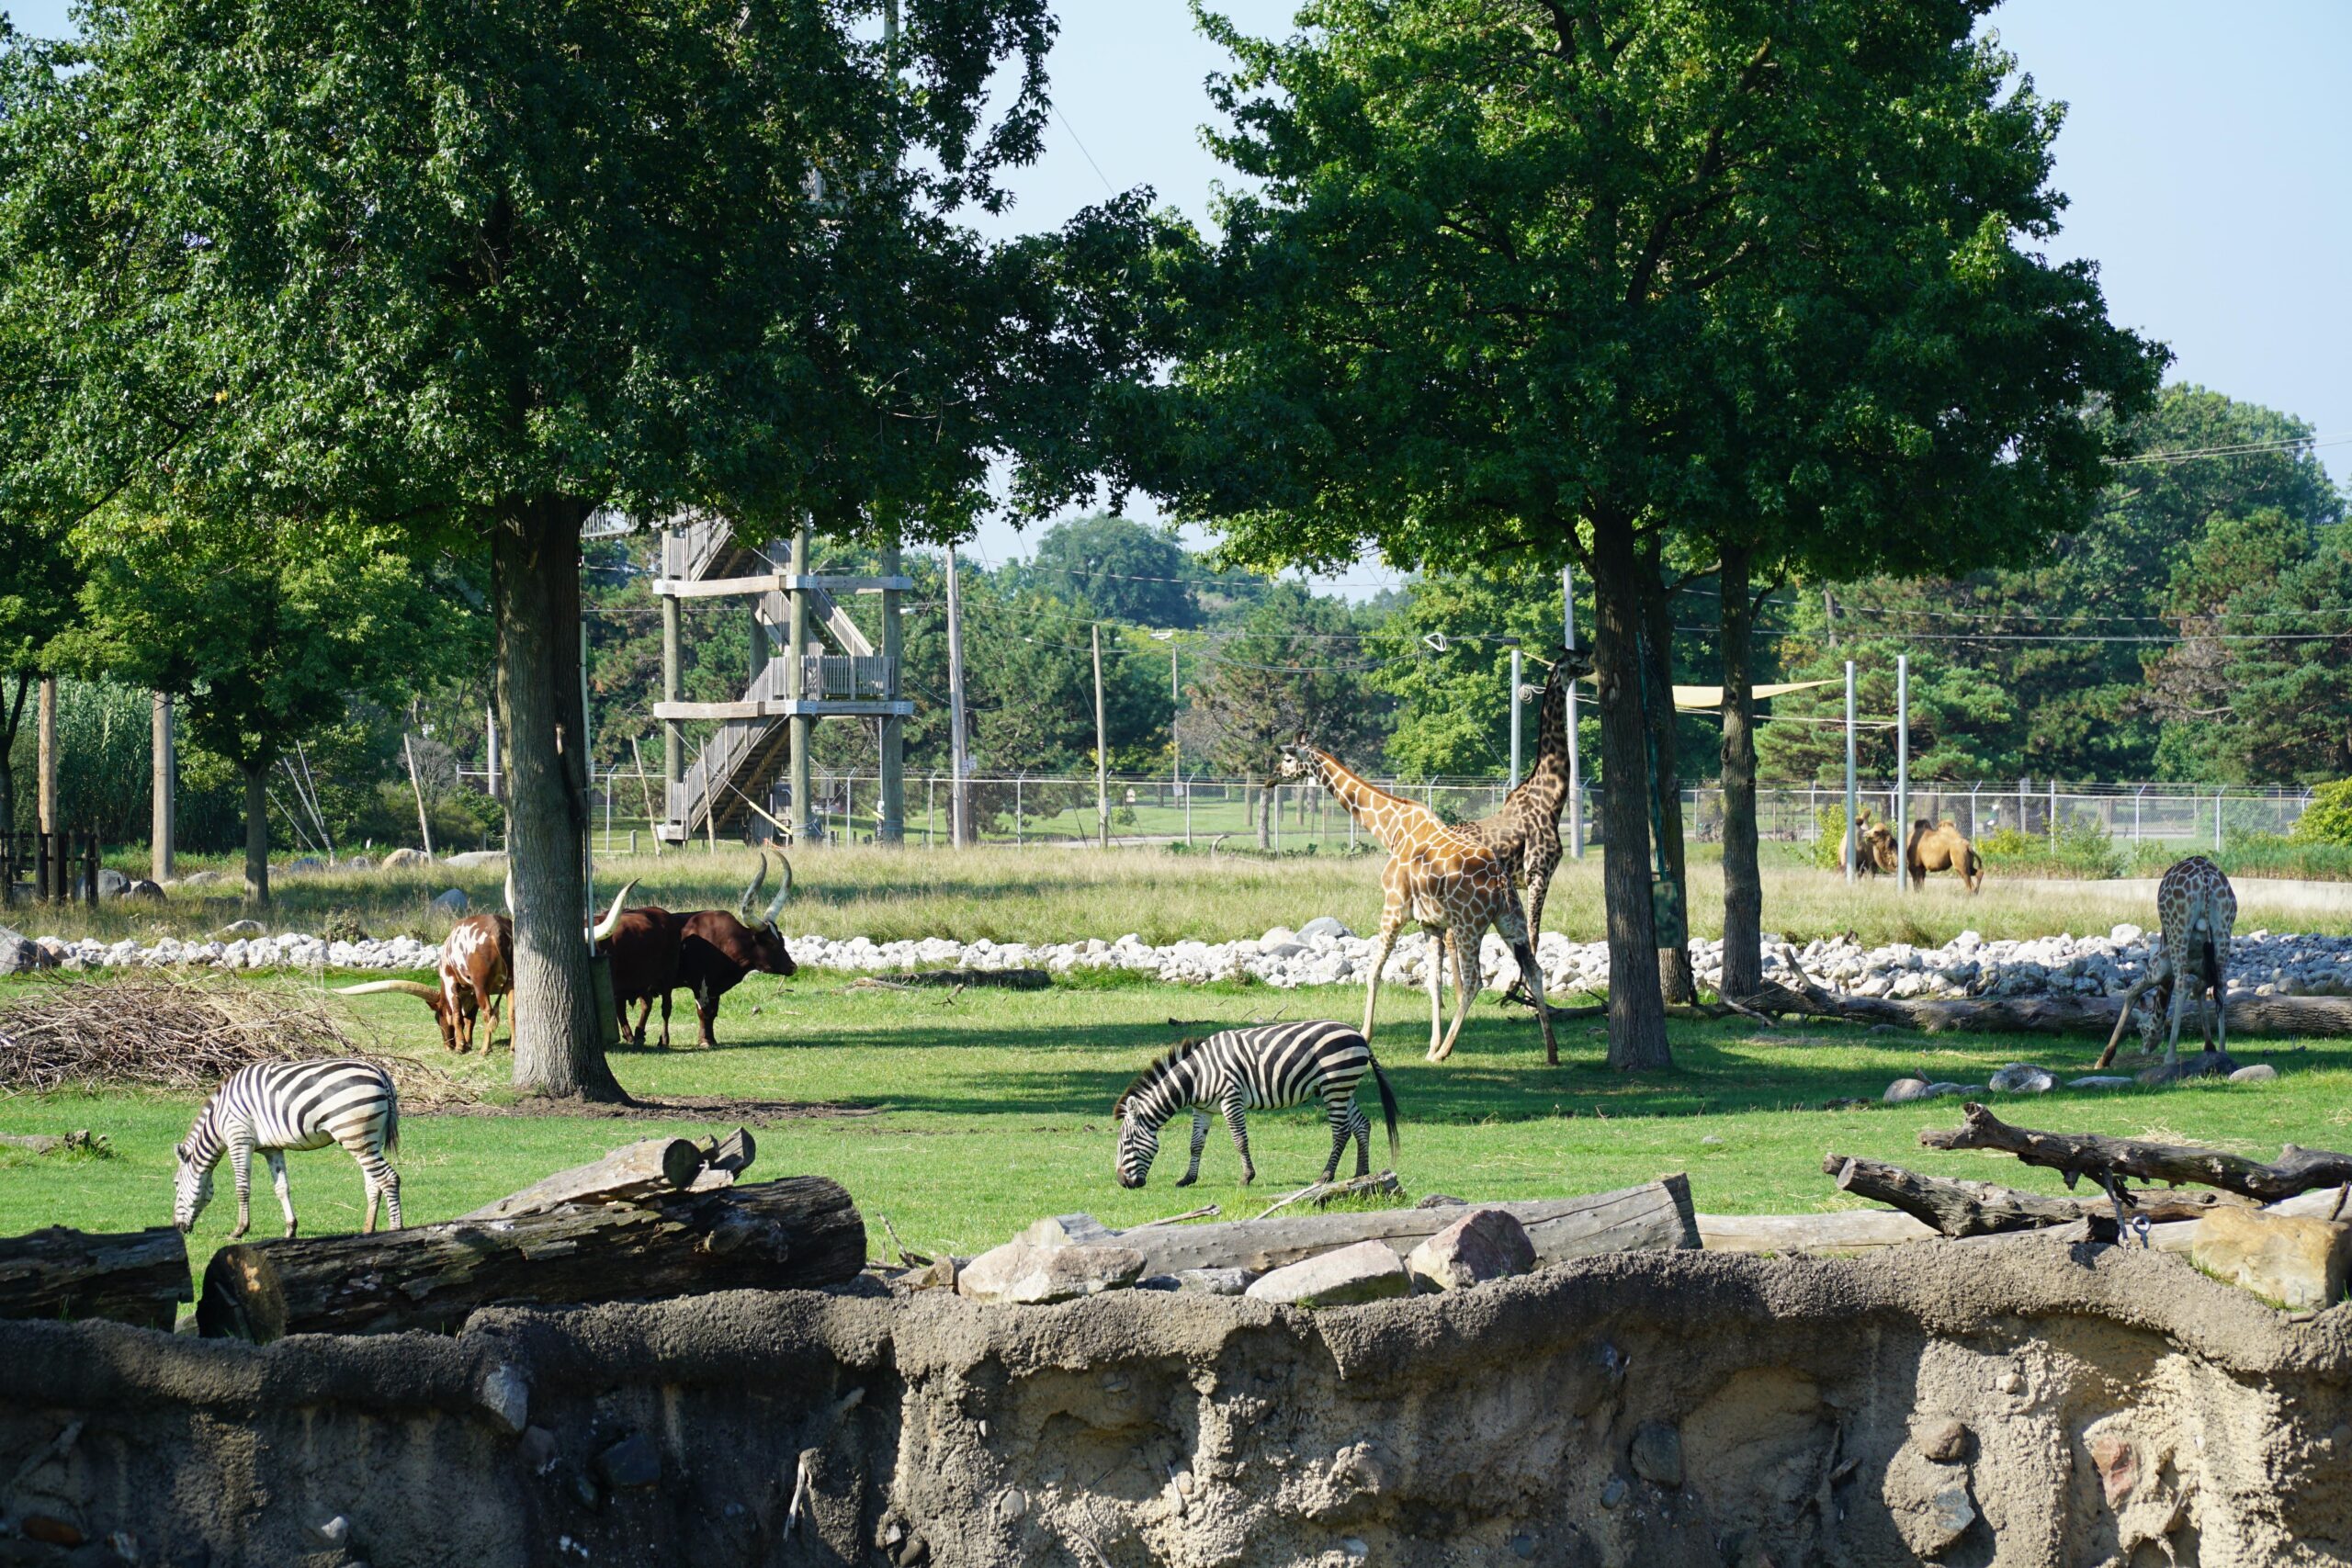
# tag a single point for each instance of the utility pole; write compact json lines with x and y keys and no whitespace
{"x":159,"y":833}
{"x":674,"y":741}
{"x":1902,"y":771}
{"x":959,"y":800}
{"x":1576,"y":760}
{"x":1853,"y":843}
{"x":891,"y":818}
{"x":45,"y":763}
{"x":1175,"y":739}
{"x":1101,"y":752}
{"x":806,"y":827}
{"x":1514,"y":714}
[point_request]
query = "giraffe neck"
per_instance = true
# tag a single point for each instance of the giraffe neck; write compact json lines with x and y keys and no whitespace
{"x":1385,"y":817}
{"x":1546,"y":784}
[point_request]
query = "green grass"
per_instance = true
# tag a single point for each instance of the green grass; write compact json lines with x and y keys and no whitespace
{"x":1057,"y":895}
{"x":990,"y":1108}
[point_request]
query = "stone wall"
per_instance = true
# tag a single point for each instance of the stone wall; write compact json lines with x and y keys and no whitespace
{"x":2020,"y":1403}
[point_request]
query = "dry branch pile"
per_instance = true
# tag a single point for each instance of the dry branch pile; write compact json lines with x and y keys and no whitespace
{"x":161,"y":1031}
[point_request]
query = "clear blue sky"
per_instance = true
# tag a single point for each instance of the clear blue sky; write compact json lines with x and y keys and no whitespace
{"x":2205,"y":152}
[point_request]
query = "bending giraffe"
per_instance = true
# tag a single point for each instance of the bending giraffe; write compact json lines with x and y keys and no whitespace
{"x":1526,"y":827}
{"x":1453,"y":886}
{"x":2196,"y":912}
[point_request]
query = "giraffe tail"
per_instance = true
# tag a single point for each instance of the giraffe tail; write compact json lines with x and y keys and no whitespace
{"x":1388,"y":1108}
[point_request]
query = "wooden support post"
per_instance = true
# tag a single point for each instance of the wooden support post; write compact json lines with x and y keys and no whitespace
{"x":45,"y":761}
{"x":1101,"y":752}
{"x":645,"y":788}
{"x":959,"y":793}
{"x":890,"y":822}
{"x":804,"y":827}
{"x":161,"y":818}
{"x":90,"y":868}
{"x":424,"y":825}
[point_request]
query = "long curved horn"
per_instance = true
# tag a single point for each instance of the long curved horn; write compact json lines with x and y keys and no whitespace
{"x":406,"y":988}
{"x":604,"y":931}
{"x":781,"y":893}
{"x":743,"y":904}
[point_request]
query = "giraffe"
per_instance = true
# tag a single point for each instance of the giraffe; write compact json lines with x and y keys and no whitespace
{"x":1448,"y":883}
{"x":1526,"y":827}
{"x":2196,"y":912}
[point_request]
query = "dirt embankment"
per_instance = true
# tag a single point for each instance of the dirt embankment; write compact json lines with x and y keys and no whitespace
{"x":2019,"y":1406}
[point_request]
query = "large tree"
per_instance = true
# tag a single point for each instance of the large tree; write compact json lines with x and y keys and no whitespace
{"x":1499,"y":297}
{"x":481,"y":270}
{"x":1120,"y":570}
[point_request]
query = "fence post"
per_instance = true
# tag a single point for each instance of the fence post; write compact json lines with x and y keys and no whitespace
{"x":2217,"y":821}
{"x":2053,"y":812}
{"x":90,"y":873}
{"x":1902,"y":768}
{"x":1853,"y":801}
{"x":1972,"y":812}
{"x":1017,"y":837}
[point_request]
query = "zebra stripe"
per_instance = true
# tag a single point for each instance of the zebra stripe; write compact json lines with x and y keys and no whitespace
{"x":1242,"y":1069}
{"x":277,"y":1106}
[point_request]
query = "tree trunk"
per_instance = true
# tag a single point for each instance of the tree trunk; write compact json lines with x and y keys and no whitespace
{"x":1266,"y":815}
{"x":1981,"y":1208}
{"x":257,"y":833}
{"x":534,"y":562}
{"x":139,"y":1277}
{"x":1678,"y":981}
{"x":1636,"y":1011}
{"x":800,"y":1233}
{"x":1743,"y":969}
{"x":9,"y":723}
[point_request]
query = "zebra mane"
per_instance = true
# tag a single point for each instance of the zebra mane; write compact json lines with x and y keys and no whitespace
{"x":1160,"y":1064}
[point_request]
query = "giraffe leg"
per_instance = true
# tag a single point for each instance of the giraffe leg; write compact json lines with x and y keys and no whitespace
{"x":2179,"y":1000}
{"x":1531,"y":975}
{"x":2220,"y":968}
{"x":1436,"y":967}
{"x":1391,"y":919}
{"x":1200,"y":1141}
{"x":276,"y":1158}
{"x":1462,"y":950}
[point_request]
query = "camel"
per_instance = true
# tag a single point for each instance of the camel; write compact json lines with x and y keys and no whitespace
{"x":1874,"y":854}
{"x":1942,"y":848}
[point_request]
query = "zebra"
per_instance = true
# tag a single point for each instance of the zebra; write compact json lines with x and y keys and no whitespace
{"x":277,"y":1106}
{"x":1276,"y":1064}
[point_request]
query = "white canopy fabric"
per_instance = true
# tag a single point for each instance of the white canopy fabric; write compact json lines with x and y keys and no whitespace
{"x":1706,"y":698}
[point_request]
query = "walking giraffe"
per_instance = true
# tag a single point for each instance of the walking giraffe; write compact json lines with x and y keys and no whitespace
{"x":2196,"y":912}
{"x":1526,"y":827}
{"x":1451,"y":885}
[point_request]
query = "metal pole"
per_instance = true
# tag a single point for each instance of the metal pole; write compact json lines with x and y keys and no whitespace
{"x":1853,"y":803}
{"x":1902,"y":766}
{"x":159,"y":836}
{"x":1101,"y":752}
{"x":807,"y":826}
{"x":1175,"y":740}
{"x":2053,"y":812}
{"x":892,"y":826}
{"x":2136,"y":796}
{"x":2217,"y":821}
{"x":959,"y":800}
{"x":1514,"y":715}
{"x":673,"y":736}
{"x":46,"y":759}
{"x":1575,"y":762}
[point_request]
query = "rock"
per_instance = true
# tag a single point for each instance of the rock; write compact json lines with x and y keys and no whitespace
{"x":200,"y":879}
{"x":537,"y":1449}
{"x":19,"y":954}
{"x":1012,"y":1503}
{"x":1068,"y":1230}
{"x":1211,"y":1281}
{"x":1019,"y":1272}
{"x":474,"y":857}
{"x":2204,"y":1064}
{"x":1323,"y":926}
{"x":1946,"y":1091}
{"x":452,"y":900}
{"x":1656,"y":1453}
{"x":1944,"y":1441}
{"x":111,"y":882}
{"x":241,"y":928}
{"x":359,"y":863}
{"x":303,"y":863}
{"x":2022,"y":1077}
{"x":1614,"y":1492}
{"x":1279,"y":942}
{"x":2125,"y":935}
{"x":1929,"y":1501}
{"x":632,"y":1461}
{"x":1367,"y":1272}
{"x":1442,"y":1201}
{"x":333,"y":1533}
{"x":1904,"y":1089}
{"x":2117,"y":1463}
{"x":2099,"y":1080}
{"x":1483,"y":1245}
{"x":405,"y":859}
{"x":2259,"y":1072}
{"x":50,"y":1528}
{"x":2296,"y":1262}
{"x":146,"y":892}
{"x":506,"y":1397}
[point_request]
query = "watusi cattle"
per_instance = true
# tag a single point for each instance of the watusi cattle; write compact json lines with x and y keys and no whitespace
{"x":643,"y":956}
{"x":477,"y":969}
{"x":718,"y":948}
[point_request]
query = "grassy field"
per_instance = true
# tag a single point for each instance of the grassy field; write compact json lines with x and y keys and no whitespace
{"x":1055,"y":895}
{"x":963,"y":1117}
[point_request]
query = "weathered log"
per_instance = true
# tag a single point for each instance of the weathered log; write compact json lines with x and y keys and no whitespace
{"x":139,"y":1278}
{"x":1982,"y":1208}
{"x":642,"y":1170}
{"x":733,"y":1153}
{"x":2249,"y":1016}
{"x":1842,"y":1230}
{"x":1654,"y":1217}
{"x":2076,"y":1155}
{"x":794,"y":1234}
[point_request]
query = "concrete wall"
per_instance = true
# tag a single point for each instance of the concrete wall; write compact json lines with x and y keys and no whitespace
{"x":1651,"y":1409}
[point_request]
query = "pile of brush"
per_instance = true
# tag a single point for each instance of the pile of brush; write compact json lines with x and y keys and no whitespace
{"x":164,"y":1031}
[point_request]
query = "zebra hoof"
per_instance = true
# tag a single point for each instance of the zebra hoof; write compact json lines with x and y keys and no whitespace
{"x":1184,"y":1181}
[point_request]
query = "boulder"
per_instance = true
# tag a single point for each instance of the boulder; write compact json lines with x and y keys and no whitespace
{"x":2260,"y":1072}
{"x":1279,"y":942}
{"x":476,"y":857}
{"x":2021,"y":1078}
{"x":632,"y":1461}
{"x":1944,"y":1441}
{"x":304,"y":863}
{"x":242,"y":928}
{"x":1929,"y":1501}
{"x":1904,"y":1089}
{"x":2204,"y":1064}
{"x":359,"y":863}
{"x":405,"y":859}
{"x":1031,"y":1275}
{"x":1068,"y":1230}
{"x":199,"y":879}
{"x":1656,"y":1453}
{"x":1483,"y":1245}
{"x":112,"y":884}
{"x":2100,"y":1080}
{"x":19,"y":954}
{"x":1323,"y":926}
{"x":1367,"y":1272}
{"x":452,"y":900}
{"x":2297,"y":1261}
{"x":144,"y":891}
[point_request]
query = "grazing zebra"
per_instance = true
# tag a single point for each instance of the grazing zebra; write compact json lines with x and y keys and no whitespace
{"x":1282,"y":1064}
{"x":277,"y":1106}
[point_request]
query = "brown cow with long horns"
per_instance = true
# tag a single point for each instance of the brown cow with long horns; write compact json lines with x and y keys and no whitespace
{"x":477,"y":969}
{"x":718,"y":949}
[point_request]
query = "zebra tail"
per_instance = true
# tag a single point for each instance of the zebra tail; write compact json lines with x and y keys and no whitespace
{"x":1388,"y":1108}
{"x":392,"y":1125}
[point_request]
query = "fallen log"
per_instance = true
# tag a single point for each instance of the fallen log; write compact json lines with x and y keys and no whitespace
{"x":1654,"y":1217}
{"x":1841,"y":1230}
{"x":2249,"y":1016}
{"x":793,"y":1234}
{"x":642,"y":1170}
{"x":2076,"y":1155}
{"x":1984,"y":1208}
{"x":139,"y":1278}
